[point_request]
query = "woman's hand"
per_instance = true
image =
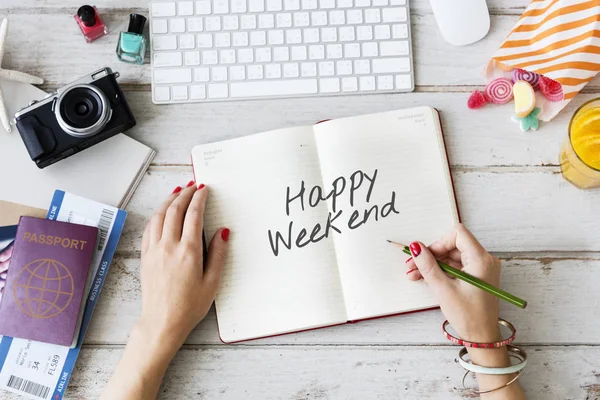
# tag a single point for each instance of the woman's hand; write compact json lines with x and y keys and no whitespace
{"x":472,"y":312}
{"x":178,"y":288}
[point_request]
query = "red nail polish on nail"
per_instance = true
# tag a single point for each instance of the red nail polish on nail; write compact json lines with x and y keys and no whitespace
{"x":408,"y":260}
{"x":190,"y":183}
{"x":415,"y":249}
{"x":200,"y":186}
{"x":225,"y":234}
{"x":410,"y":270}
{"x":177,"y":190}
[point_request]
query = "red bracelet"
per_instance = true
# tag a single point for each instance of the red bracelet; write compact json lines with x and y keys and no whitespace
{"x":466,"y":343}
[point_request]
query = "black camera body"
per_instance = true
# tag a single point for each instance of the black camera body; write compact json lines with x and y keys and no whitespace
{"x":79,"y":115}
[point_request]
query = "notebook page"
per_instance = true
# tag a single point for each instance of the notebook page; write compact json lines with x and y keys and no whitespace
{"x":264,"y":294}
{"x":401,"y":159}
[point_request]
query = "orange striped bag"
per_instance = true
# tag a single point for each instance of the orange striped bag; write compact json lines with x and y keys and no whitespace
{"x":559,"y":39}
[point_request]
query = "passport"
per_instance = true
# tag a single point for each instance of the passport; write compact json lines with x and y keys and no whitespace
{"x":46,"y":280}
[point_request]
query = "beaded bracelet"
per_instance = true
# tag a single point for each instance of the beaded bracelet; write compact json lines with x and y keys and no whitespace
{"x":513,"y":351}
{"x":466,"y":343}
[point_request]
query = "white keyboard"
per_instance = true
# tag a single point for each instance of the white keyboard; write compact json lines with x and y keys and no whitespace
{"x":215,"y":50}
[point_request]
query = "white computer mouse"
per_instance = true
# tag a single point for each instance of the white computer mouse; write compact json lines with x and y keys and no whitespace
{"x":461,"y":22}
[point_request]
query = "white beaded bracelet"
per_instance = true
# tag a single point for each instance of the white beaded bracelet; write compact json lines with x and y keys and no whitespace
{"x":513,"y":351}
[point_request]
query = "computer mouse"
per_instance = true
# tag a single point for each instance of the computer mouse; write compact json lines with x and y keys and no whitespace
{"x":461,"y":22}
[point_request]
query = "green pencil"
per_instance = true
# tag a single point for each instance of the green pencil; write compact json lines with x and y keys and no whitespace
{"x":458,"y":274}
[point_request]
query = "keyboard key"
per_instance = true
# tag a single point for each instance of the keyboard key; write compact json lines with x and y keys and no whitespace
{"x":248,"y":21}
{"x":162,"y":93}
{"x":227,"y":56}
{"x":195,"y":24}
{"x":291,"y":5}
{"x":394,"y":15}
{"x":222,"y":40}
{"x":256,"y":6}
{"x":327,"y":4}
{"x":308,"y":69}
{"x":213,"y":24}
{"x":205,"y":40}
{"x":400,"y":31}
{"x":334,"y":51}
{"x":362,"y":67}
{"x":219,"y":74}
{"x":230,"y":22}
{"x":299,"y":53}
{"x":179,"y":93}
{"x":362,"y":3}
{"x":316,"y":52}
{"x":366,"y":83}
{"x":355,"y":16}
{"x":311,"y":35}
{"x":397,"y":2}
{"x":319,"y":18}
{"x":240,"y":39}
{"x":281,"y":54}
{"x":276,"y":37}
{"x":258,"y":38}
{"x":309,"y":4}
{"x":263,"y":54}
{"x":201,"y":74}
{"x":382,"y":32}
{"x":167,"y":59}
{"x":344,"y":3}
{"x":221,"y":6}
{"x":255,"y":71}
{"x":328,"y":35}
{"x":203,"y":7}
{"x":266,"y":21}
{"x":385,"y":82}
{"x":326,"y":68}
{"x":187,"y":42}
{"x":177,"y":25}
{"x":218,"y":91}
{"x":191,"y":57}
{"x":159,"y":26}
{"x":274,"y":5}
{"x":403,"y":82}
{"x":185,"y":8}
{"x":245,"y":55}
{"x":164,"y":42}
{"x":291,"y":70}
{"x":346,"y":34}
{"x":399,"y":48}
{"x":273,"y":71}
{"x":301,"y":19}
{"x":372,"y":16}
{"x":210,"y":57}
{"x":350,"y":84}
{"x":364,"y":32}
{"x":370,"y":50}
{"x":387,"y":65}
{"x":172,"y":75}
{"x":282,"y":88}
{"x":284,"y":20}
{"x":238,"y":6}
{"x":163,"y":9}
{"x":293,"y":36}
{"x":379,"y":3}
{"x":197,"y":92}
{"x":352,"y":50}
{"x":329,"y":85}
{"x":337,"y":17}
{"x":344,"y":67}
{"x":237,"y":73}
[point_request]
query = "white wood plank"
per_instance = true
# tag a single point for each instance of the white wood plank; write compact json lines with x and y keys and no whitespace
{"x":554,"y":315}
{"x":553,"y":373}
{"x":485,"y":137}
{"x":509,"y":211}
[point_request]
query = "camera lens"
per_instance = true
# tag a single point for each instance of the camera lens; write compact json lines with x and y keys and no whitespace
{"x":82,"y":110}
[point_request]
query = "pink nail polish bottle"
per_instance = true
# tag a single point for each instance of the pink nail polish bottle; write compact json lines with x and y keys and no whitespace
{"x":90,"y":23}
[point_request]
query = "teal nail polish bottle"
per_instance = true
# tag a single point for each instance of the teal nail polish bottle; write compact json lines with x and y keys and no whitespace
{"x":132,"y":44}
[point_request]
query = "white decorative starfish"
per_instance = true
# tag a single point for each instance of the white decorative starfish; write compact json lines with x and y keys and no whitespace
{"x":11,"y":75}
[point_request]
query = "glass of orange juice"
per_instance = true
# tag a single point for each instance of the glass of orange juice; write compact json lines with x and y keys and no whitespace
{"x":580,"y":153}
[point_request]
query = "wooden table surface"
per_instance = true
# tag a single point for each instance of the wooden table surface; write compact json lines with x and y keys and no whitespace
{"x":509,"y":189}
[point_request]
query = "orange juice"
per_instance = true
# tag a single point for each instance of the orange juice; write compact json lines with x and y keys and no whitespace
{"x":580,"y":154}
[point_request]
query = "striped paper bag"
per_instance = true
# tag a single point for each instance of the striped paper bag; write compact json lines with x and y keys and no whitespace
{"x":559,"y":39}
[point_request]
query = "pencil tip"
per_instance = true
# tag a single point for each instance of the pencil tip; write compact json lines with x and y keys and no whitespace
{"x":389,"y":241}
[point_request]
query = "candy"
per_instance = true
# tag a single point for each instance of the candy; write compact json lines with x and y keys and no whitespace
{"x":476,"y":100}
{"x":530,"y":121}
{"x":524,"y":98}
{"x":499,"y":91}
{"x":551,"y":89}
{"x":530,"y":77}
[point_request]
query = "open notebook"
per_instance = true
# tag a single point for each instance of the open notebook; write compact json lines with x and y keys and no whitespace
{"x":299,"y":262}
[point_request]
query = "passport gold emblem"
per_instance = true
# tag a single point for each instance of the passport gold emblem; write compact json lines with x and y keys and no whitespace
{"x":44,"y":288}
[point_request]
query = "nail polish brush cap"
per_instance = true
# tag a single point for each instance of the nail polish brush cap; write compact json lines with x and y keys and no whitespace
{"x":136,"y":23}
{"x":87,"y":15}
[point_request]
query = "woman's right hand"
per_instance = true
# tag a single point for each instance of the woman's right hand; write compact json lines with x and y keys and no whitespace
{"x":472,"y":312}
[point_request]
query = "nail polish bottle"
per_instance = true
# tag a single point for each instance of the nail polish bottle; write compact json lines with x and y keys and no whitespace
{"x":132,"y":44}
{"x":90,"y":23}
